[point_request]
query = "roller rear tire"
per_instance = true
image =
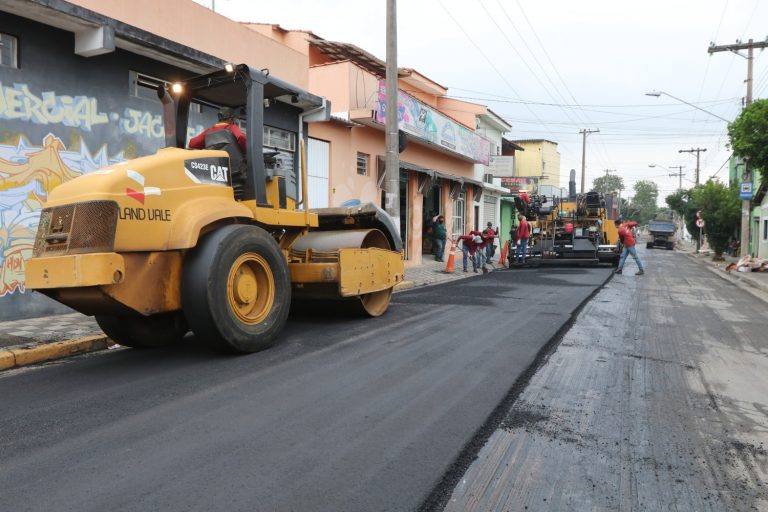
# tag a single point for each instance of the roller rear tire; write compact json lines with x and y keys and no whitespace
{"x":139,"y":331}
{"x":236,"y":289}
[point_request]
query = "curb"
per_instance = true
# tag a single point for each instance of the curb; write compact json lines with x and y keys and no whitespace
{"x":403,"y":285}
{"x":14,"y":357}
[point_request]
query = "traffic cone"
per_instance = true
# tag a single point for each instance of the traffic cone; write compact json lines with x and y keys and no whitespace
{"x":503,"y":256}
{"x":451,"y":258}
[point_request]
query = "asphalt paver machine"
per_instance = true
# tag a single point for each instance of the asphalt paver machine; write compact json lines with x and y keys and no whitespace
{"x":215,"y":241}
{"x":573,"y":230}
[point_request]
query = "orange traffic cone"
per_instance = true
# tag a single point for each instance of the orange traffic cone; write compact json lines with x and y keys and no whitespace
{"x":503,"y":256}
{"x":451,"y":258}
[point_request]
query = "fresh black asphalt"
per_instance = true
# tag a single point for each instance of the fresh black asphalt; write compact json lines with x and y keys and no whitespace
{"x":344,"y":414}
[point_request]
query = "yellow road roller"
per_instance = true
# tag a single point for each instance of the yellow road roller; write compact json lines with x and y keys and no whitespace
{"x":216,"y":240}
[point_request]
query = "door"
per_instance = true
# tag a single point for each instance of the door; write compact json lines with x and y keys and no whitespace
{"x":318,"y":170}
{"x":489,"y":211}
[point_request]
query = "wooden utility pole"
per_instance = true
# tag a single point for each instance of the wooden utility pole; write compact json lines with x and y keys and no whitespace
{"x":584,"y":132}
{"x":679,"y":174}
{"x":392,"y":179}
{"x":747,"y":177}
{"x":697,"y":151}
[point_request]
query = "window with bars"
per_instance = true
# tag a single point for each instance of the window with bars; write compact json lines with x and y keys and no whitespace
{"x":362,"y":163}
{"x":9,"y":51}
{"x":279,"y":139}
{"x":145,"y":86}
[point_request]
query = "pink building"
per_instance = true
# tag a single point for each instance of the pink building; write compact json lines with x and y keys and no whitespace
{"x":437,"y":167}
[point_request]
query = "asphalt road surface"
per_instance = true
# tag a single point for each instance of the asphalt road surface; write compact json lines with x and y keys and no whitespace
{"x":344,"y":414}
{"x":655,"y":399}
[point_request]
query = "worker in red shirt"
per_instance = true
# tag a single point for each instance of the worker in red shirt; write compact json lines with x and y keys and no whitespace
{"x":226,"y":121}
{"x":521,"y":238}
{"x":627,"y":238}
{"x":471,"y":246}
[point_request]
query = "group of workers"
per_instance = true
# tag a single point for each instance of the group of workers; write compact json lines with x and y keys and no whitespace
{"x":478,"y":246}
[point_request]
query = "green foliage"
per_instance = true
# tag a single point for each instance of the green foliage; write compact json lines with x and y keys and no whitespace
{"x":720,"y":208}
{"x":608,"y":183}
{"x":721,"y":211}
{"x":682,"y":203}
{"x":643,"y":203}
{"x":749,"y":136}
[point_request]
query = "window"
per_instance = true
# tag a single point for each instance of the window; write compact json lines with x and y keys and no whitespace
{"x":765,"y":229}
{"x":362,"y":163}
{"x":279,"y":139}
{"x":9,"y":51}
{"x":459,"y":214}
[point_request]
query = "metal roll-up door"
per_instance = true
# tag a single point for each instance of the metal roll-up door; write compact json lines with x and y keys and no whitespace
{"x":489,"y":210}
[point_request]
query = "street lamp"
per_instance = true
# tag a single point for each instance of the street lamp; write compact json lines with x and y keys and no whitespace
{"x":657,"y":94}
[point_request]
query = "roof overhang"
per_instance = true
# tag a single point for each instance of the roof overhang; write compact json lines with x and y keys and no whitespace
{"x":72,"y":18}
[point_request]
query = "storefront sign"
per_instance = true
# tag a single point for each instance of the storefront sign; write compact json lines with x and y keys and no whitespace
{"x":417,"y":119}
{"x":501,"y":166}
{"x":517,"y":183}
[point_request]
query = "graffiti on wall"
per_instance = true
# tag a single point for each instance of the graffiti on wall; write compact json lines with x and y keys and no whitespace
{"x":32,"y":165}
{"x":27,"y":174}
{"x":19,"y":103}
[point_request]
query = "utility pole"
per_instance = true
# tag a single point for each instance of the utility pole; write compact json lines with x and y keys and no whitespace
{"x":747,"y":176}
{"x":584,"y":132}
{"x":392,"y":180}
{"x":697,"y":151}
{"x":679,"y":174}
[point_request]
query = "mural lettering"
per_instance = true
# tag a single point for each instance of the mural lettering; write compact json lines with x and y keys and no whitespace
{"x":142,"y":123}
{"x":19,"y":103}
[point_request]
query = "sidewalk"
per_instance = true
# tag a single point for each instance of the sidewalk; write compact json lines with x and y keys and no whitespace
{"x":756,"y":281}
{"x":34,"y":340}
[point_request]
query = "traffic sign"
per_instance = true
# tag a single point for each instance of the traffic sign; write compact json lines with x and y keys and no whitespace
{"x":700,"y":223}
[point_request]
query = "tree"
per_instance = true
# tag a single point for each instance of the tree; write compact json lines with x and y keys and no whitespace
{"x":749,"y":136}
{"x":682,"y":203}
{"x":644,"y":200}
{"x":608,"y":183}
{"x":721,"y":210}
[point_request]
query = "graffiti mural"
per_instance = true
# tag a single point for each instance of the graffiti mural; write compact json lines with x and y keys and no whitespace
{"x":43,"y":143}
{"x":28,"y":173}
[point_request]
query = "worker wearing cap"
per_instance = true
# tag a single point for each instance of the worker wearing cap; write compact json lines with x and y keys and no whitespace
{"x":489,"y":234}
{"x":627,"y":237}
{"x":226,"y":121}
{"x":471,"y":245}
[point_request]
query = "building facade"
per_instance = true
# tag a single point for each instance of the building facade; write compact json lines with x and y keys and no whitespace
{"x":440,"y":166}
{"x":77,"y":93}
{"x":77,"y":84}
{"x":541,"y":160}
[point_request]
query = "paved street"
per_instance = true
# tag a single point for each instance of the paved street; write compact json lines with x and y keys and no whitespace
{"x":345,"y":414}
{"x":656,"y":399}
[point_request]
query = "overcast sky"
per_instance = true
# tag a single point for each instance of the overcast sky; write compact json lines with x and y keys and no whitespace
{"x":554,"y":67}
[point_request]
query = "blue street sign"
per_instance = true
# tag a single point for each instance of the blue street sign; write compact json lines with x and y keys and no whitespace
{"x":746,"y":190}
